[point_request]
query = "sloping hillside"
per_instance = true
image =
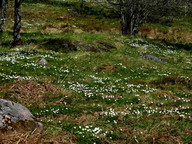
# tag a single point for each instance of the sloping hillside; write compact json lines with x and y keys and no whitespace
{"x":98,"y":86}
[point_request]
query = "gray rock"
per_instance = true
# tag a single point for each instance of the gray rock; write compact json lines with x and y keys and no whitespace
{"x":154,"y":58}
{"x":12,"y":114}
{"x":42,"y":62}
{"x":100,"y":47}
{"x":106,"y":45}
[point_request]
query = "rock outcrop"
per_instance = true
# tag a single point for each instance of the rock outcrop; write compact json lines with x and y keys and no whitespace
{"x":154,"y":58}
{"x":15,"y":117}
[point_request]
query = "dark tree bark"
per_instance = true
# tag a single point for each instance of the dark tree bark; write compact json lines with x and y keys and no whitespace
{"x":133,"y":13}
{"x":1,"y":8}
{"x":130,"y":16}
{"x":17,"y":23}
{"x":123,"y":12}
{"x":82,"y":4}
{"x":3,"y":13}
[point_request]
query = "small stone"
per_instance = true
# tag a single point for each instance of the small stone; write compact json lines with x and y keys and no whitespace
{"x":42,"y":62}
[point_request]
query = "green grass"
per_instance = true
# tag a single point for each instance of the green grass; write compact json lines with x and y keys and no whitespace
{"x":107,"y":97}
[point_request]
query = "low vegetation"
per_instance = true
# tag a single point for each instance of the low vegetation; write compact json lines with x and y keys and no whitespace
{"x":97,"y":88}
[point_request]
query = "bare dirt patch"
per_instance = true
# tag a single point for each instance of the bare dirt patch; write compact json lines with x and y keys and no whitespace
{"x":87,"y":119}
{"x":176,"y":34}
{"x":63,"y":138}
{"x":172,"y":80}
{"x":51,"y":29}
{"x":20,"y":138}
{"x":160,"y":137}
{"x":27,"y":92}
{"x":106,"y":67}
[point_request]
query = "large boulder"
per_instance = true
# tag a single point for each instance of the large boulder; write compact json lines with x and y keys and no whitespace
{"x":15,"y":117}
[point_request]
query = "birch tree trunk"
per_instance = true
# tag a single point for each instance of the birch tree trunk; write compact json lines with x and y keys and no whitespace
{"x":17,"y":23}
{"x":3,"y":13}
{"x":130,"y":21}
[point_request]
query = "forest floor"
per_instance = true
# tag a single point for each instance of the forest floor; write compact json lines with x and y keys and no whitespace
{"x":98,"y":87}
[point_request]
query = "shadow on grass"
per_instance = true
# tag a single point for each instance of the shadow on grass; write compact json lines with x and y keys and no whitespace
{"x":27,"y":38}
{"x":5,"y":39}
{"x":75,"y":6}
{"x":39,"y":38}
{"x":179,"y":46}
{"x":45,"y":41}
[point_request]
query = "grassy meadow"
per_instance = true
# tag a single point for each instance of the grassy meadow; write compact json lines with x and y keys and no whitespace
{"x":100,"y":90}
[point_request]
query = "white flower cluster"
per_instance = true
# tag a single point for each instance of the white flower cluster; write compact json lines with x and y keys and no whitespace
{"x":139,"y":88}
{"x":53,"y":110}
{"x":33,"y":65}
{"x":77,"y":87}
{"x":87,"y":130}
{"x":9,"y":77}
{"x":140,"y":43}
{"x":184,"y":99}
{"x":139,"y":111}
{"x":110,"y":96}
{"x":99,"y":80}
{"x":112,"y":113}
{"x":26,"y":24}
{"x":120,"y":64}
{"x":110,"y":89}
{"x":81,"y":88}
{"x":13,"y":57}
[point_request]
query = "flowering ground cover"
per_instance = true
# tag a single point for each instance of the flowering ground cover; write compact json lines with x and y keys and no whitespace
{"x":95,"y":98}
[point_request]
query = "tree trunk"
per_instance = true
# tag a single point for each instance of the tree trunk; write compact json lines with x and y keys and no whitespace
{"x":3,"y":13}
{"x":124,"y":25}
{"x":124,"y":16}
{"x":129,"y":17}
{"x":82,"y":4}
{"x":17,"y":23}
